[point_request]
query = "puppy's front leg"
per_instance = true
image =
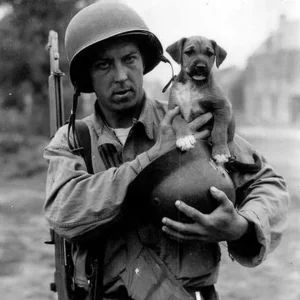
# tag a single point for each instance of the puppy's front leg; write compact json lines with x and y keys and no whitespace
{"x":220,"y":150}
{"x":185,"y":140}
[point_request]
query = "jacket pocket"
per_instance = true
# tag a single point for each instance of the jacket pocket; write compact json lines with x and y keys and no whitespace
{"x":147,"y":278}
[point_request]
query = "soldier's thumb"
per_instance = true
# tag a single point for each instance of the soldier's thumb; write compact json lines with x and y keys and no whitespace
{"x":219,"y":195}
{"x":170,"y":115}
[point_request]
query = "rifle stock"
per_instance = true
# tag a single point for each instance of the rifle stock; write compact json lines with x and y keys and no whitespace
{"x":56,"y":101}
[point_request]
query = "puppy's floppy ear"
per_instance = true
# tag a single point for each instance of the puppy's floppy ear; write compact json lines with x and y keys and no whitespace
{"x":219,"y":52}
{"x":175,"y":50}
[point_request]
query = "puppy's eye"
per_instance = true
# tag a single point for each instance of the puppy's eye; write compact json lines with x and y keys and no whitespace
{"x":189,"y":52}
{"x":209,"y":53}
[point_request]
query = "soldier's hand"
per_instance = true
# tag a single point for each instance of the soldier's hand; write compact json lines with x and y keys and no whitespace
{"x":223,"y":224}
{"x":166,"y":136}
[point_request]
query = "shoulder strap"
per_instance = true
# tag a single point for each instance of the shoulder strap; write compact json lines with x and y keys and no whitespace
{"x":96,"y":258}
{"x":84,"y":139}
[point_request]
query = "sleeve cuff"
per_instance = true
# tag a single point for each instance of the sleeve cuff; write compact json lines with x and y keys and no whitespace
{"x":250,"y":249}
{"x":144,"y":160}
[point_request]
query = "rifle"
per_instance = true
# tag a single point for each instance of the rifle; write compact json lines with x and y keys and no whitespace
{"x":64,"y":283}
{"x":64,"y":267}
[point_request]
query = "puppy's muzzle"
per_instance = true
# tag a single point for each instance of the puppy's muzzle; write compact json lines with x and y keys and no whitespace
{"x":199,"y":71}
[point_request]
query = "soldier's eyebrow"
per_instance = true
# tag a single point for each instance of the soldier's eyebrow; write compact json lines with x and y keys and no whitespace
{"x":101,"y":56}
{"x":133,"y":52}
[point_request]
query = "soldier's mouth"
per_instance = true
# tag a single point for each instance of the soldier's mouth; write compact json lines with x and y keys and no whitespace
{"x":122,"y":92}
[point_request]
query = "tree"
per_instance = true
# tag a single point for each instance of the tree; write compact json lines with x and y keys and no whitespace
{"x":24,"y":60}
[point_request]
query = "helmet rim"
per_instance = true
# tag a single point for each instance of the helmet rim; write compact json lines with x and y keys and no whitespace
{"x":150,"y":47}
{"x":98,"y":23}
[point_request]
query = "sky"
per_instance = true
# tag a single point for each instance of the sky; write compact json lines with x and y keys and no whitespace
{"x":239,"y":26}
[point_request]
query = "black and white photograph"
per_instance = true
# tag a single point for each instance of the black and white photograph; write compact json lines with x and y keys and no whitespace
{"x":149,"y":150}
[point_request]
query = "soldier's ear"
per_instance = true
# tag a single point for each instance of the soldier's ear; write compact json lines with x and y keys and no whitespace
{"x":219,"y":52}
{"x":175,"y":50}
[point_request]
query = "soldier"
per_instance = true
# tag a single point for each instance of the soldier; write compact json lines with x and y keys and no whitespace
{"x":110,"y":48}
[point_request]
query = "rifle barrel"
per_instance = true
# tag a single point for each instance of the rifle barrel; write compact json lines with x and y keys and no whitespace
{"x":56,"y":101}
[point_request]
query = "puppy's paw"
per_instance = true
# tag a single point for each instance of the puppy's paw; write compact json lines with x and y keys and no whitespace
{"x":186,"y":143}
{"x":221,"y":158}
{"x":220,"y":154}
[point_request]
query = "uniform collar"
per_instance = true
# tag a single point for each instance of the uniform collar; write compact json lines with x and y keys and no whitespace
{"x":145,"y":118}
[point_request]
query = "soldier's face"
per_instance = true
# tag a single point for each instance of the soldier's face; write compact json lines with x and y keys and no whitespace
{"x":117,"y":76}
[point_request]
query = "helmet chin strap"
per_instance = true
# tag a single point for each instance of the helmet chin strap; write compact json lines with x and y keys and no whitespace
{"x":71,"y":126}
{"x":165,"y":60}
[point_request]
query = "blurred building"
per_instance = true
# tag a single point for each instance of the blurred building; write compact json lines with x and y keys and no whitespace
{"x":272,"y":77}
{"x":231,"y":80}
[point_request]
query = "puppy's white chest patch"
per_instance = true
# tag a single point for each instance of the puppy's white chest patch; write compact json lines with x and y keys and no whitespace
{"x":188,"y":98}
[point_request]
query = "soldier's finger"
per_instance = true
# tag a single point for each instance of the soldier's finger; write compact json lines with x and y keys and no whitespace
{"x":176,"y":235}
{"x":200,"y":121}
{"x":202,"y":135}
{"x":191,"y":212}
{"x":170,"y":115}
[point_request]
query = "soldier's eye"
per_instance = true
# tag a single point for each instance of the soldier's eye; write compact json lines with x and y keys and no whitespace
{"x":130,"y":59}
{"x":101,"y":64}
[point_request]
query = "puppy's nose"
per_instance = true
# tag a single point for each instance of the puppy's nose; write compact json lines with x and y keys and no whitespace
{"x":200,"y":67}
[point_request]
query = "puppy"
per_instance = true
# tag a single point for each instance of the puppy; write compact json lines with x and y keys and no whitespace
{"x":195,"y":92}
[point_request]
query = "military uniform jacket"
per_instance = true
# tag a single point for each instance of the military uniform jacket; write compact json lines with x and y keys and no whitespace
{"x":79,"y":204}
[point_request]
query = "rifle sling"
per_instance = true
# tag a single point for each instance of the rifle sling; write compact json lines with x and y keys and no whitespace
{"x":84,"y":139}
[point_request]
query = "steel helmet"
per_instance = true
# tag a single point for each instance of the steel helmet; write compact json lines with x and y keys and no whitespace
{"x":99,"y":22}
{"x":176,"y":175}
